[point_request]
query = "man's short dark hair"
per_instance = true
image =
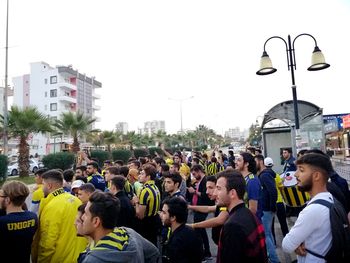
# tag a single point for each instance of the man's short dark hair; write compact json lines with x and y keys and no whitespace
{"x":88,"y":187}
{"x":113,"y":170}
{"x":120,"y":162}
{"x":68,"y":175}
{"x":318,"y":161}
{"x":197,"y":168}
{"x":175,"y":177}
{"x":124,"y":170}
{"x":150,"y":170}
{"x":107,"y":161}
{"x":136,"y":163}
{"x":259,"y":157}
{"x":159,"y":160}
{"x":105,"y":206}
{"x":211,"y":178}
{"x":165,"y":167}
{"x":81,"y":167}
{"x":177,"y":207}
{"x":94,"y":164}
{"x":40,"y":171}
{"x":234,"y":180}
{"x":288,"y":150}
{"x":119,"y":182}
{"x":54,"y":175}
{"x":249,"y":158}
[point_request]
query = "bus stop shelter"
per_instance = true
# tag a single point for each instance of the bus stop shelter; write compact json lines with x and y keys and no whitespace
{"x":278,"y":130}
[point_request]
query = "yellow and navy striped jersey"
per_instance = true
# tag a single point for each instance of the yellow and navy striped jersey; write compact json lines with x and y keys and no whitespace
{"x":129,"y":190}
{"x":150,"y":197}
{"x":118,"y":239}
{"x":214,"y":168}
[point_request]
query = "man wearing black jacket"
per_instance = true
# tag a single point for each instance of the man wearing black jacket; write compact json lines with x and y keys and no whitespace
{"x":127,"y":211}
{"x":200,"y":197}
{"x":269,"y":198}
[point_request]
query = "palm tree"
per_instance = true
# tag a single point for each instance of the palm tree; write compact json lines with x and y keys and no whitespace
{"x":108,"y":138}
{"x":21,"y":123}
{"x":76,"y":125}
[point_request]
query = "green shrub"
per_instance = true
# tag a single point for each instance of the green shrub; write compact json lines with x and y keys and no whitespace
{"x":140,"y":153}
{"x":3,"y":167}
{"x":123,"y":155}
{"x":101,"y":156}
{"x":61,"y":160}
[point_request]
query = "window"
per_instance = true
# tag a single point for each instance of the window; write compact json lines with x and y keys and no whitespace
{"x":53,"y":79}
{"x":45,"y":81}
{"x":53,"y":93}
{"x":53,"y":107}
{"x":45,"y":94}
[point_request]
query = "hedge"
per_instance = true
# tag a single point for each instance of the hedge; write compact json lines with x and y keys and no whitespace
{"x":3,"y":167}
{"x":123,"y":155}
{"x":101,"y":156}
{"x":61,"y":160}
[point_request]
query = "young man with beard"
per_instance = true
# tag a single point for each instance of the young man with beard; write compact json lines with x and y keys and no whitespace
{"x":183,"y":245}
{"x":95,"y":177}
{"x":312,"y":229}
{"x":246,"y":165}
{"x":242,"y":237}
{"x":220,"y":212}
{"x":268,"y":200}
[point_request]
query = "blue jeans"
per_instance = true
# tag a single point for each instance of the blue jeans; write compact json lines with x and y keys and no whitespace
{"x":270,"y":244}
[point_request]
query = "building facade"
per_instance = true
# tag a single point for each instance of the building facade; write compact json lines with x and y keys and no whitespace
{"x":122,"y":127}
{"x":152,"y":127}
{"x":55,"y":90}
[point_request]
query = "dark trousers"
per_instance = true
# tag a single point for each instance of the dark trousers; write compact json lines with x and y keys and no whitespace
{"x":199,"y":217}
{"x":149,"y":228}
{"x":281,"y":215}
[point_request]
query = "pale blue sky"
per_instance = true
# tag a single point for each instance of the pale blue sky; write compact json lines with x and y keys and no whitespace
{"x":147,"y":51}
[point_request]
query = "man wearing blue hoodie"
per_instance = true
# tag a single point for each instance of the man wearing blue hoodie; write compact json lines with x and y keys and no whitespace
{"x":268,"y":199}
{"x":112,"y":244}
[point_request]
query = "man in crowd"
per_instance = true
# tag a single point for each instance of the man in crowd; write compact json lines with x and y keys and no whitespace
{"x":147,"y":204}
{"x":85,"y":191}
{"x":57,"y":214}
{"x":268,"y":201}
{"x":95,"y":177}
{"x":127,"y":211}
{"x":18,"y":226}
{"x":38,"y":193}
{"x":172,"y":183}
{"x":183,"y":245}
{"x":200,"y":197}
{"x":242,"y":237}
{"x":289,"y":161}
{"x":246,"y":165}
{"x":112,"y":244}
{"x":312,"y":230}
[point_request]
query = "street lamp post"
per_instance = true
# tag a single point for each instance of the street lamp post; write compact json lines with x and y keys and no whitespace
{"x":5,"y":115}
{"x":317,"y":63}
{"x":181,"y":100}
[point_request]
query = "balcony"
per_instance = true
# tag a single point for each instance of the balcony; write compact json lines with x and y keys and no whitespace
{"x":67,"y":99}
{"x":96,"y":96}
{"x":96,"y":107}
{"x":66,"y":86}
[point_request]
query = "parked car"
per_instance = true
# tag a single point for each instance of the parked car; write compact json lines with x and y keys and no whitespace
{"x":12,"y":168}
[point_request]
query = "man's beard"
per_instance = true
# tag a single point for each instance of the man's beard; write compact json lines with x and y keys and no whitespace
{"x":306,"y":187}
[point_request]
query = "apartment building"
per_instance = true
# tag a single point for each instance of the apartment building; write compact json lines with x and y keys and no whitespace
{"x":54,"y":90}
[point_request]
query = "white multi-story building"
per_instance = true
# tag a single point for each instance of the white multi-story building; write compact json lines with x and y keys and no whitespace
{"x":234,"y":133}
{"x":122,"y":127}
{"x":54,"y":90}
{"x":152,"y":127}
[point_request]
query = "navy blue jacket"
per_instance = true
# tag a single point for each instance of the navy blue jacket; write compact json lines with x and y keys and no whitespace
{"x":269,"y":191}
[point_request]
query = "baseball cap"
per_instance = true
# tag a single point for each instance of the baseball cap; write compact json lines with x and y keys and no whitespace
{"x":77,"y":184}
{"x":268,"y":161}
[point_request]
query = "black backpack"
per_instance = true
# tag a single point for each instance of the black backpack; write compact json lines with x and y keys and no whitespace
{"x":340,"y":248}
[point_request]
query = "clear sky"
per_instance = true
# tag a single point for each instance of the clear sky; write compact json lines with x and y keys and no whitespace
{"x":145,"y":52}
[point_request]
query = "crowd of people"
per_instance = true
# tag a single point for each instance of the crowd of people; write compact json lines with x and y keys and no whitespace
{"x":155,"y":209}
